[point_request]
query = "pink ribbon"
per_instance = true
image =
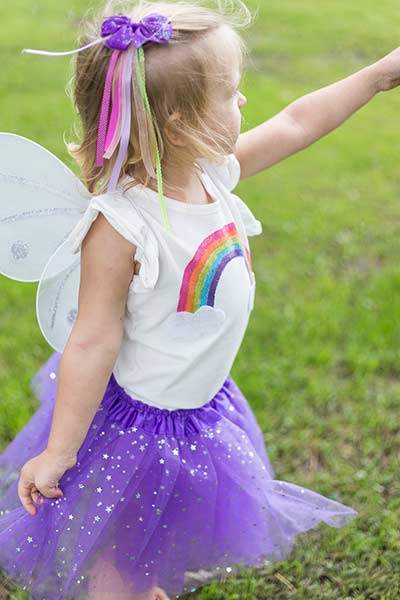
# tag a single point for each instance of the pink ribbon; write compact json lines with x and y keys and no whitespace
{"x":126,"y":117}
{"x":105,"y":107}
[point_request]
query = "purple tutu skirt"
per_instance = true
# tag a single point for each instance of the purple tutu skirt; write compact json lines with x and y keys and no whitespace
{"x":175,"y":499}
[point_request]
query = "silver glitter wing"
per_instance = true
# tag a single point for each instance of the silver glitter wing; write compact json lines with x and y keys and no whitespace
{"x":41,"y":201}
{"x":57,"y":296}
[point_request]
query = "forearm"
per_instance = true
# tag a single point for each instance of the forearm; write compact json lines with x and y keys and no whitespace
{"x":321,"y":111}
{"x":83,"y":375}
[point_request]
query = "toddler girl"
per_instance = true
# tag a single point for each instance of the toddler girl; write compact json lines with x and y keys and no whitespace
{"x":144,"y":473}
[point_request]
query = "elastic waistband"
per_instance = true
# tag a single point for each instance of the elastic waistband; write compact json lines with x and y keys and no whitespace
{"x":180,"y":422}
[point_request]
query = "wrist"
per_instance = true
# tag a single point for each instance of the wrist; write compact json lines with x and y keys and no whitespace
{"x":67,"y":459}
{"x":378,"y":77}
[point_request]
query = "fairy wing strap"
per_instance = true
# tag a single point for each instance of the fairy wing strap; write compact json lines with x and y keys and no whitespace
{"x":41,"y":202}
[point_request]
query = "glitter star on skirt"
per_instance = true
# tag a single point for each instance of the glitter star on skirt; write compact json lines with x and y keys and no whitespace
{"x":175,"y":499}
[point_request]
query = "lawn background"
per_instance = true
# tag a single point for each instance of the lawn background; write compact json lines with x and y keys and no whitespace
{"x":320,"y":360}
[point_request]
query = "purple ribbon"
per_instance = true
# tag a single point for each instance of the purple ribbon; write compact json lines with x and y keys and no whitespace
{"x":122,"y":31}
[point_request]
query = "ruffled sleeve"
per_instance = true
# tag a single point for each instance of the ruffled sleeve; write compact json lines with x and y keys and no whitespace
{"x":121,"y":213}
{"x":252,"y":225}
{"x":227,"y":175}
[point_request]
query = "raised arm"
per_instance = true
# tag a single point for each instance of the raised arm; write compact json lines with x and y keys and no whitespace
{"x":314,"y":115}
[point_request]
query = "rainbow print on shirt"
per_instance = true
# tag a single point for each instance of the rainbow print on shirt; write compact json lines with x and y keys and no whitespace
{"x":203,"y":272}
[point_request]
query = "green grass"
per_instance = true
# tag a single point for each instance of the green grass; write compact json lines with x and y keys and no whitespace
{"x":320,"y":360}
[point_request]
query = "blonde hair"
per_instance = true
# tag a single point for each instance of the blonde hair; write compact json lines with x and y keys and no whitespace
{"x":179,"y":75}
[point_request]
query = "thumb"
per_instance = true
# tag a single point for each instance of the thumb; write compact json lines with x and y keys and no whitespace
{"x":57,"y":491}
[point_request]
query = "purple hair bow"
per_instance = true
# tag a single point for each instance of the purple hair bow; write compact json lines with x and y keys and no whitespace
{"x":122,"y":31}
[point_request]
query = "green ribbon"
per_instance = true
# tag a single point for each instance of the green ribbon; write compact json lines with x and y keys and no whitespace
{"x":141,"y":76}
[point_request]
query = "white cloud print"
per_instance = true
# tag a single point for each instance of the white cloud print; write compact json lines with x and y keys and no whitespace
{"x":183,"y":325}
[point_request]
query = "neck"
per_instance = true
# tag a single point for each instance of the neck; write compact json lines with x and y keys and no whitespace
{"x":192,"y":190}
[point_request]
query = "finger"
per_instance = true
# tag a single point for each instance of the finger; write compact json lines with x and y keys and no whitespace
{"x":51,"y":492}
{"x":36,"y":496}
{"x":24,"y":493}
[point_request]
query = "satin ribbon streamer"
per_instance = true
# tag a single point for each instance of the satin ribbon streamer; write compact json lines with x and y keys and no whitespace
{"x":118,"y":32}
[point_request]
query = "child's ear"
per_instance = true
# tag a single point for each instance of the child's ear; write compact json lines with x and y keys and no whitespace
{"x":171,"y":129}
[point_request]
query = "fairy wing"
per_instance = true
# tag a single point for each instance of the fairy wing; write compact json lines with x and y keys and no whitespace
{"x":41,"y":201}
{"x":57,"y":296}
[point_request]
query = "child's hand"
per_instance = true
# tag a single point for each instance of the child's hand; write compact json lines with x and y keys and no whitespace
{"x":40,"y":475}
{"x":388,"y":71}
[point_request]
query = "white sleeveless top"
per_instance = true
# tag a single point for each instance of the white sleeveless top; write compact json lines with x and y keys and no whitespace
{"x":187,"y":310}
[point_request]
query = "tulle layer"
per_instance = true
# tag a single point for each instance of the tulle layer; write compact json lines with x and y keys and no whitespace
{"x":170,"y":498}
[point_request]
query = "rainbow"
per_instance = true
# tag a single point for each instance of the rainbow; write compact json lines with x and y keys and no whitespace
{"x":202,"y":273}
